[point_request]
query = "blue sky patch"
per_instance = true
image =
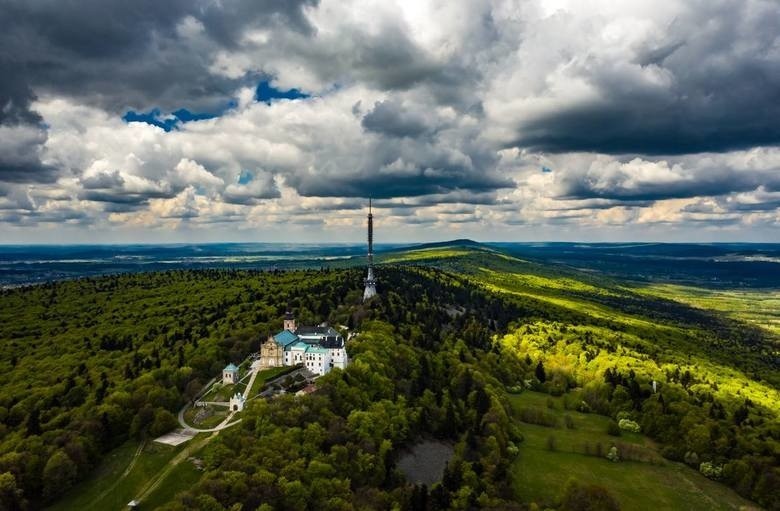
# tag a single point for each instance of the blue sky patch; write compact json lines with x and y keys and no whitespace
{"x":245,"y":177}
{"x":267,"y":93}
{"x":166,"y":122}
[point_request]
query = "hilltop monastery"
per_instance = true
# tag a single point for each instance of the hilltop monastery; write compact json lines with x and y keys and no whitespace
{"x":318,"y":348}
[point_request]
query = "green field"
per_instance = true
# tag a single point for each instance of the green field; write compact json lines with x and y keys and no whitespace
{"x":119,"y":478}
{"x":264,"y":376}
{"x":759,"y":307}
{"x":539,"y":474}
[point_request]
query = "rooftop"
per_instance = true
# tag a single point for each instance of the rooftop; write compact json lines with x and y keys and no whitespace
{"x":231,"y":367}
{"x":300,"y":345}
{"x":285,"y":337}
{"x":324,"y":330}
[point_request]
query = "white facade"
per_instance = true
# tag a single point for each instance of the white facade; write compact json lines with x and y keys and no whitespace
{"x":237,"y":403}
{"x":230,"y":375}
{"x":338,"y":357}
{"x":317,"y":360}
{"x":319,"y":348}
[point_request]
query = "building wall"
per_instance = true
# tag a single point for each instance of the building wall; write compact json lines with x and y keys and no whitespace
{"x":338,"y":357}
{"x":318,"y":363}
{"x":271,"y":354}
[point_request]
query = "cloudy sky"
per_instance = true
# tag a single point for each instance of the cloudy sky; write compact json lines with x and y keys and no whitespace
{"x":228,"y":120}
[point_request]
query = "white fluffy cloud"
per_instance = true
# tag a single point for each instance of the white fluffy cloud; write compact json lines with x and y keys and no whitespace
{"x":491,"y":119}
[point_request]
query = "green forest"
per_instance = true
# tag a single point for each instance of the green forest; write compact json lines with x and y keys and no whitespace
{"x":529,"y":372}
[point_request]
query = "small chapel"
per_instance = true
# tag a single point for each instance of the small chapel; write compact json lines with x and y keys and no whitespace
{"x":318,"y":348}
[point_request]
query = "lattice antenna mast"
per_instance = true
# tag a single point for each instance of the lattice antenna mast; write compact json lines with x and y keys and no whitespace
{"x":370,"y":235}
{"x":370,"y":290}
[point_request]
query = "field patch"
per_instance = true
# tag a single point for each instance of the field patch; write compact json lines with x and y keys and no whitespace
{"x":550,"y":456}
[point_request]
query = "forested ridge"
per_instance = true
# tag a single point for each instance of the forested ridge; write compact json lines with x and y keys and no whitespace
{"x":87,"y":364}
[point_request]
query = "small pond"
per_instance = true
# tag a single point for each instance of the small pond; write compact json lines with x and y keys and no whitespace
{"x":424,"y":463}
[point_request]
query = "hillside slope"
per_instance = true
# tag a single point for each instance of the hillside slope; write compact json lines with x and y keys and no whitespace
{"x":606,"y":341}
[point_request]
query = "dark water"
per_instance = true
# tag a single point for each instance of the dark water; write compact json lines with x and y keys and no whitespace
{"x":425,"y":462}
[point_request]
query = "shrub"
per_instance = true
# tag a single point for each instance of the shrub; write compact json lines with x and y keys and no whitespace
{"x":538,"y":417}
{"x":629,"y":425}
{"x":691,"y":458}
{"x":613,"y":429}
{"x":581,"y":497}
{"x":710,"y":470}
{"x":613,"y":454}
{"x":568,"y":421}
{"x":551,"y":443}
{"x":633,"y":452}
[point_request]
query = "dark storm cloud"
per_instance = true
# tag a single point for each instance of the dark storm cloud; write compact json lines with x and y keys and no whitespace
{"x":119,"y":54}
{"x":223,"y":19}
{"x":392,"y":119}
{"x":640,"y":181}
{"x":120,"y":197}
{"x":103,"y":180}
{"x":405,"y":168}
{"x":20,"y":148}
{"x":715,"y":88}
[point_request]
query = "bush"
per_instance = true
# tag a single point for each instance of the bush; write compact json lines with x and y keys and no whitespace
{"x":538,"y":417}
{"x":710,"y":470}
{"x":164,"y":422}
{"x":551,"y":443}
{"x":629,"y":425}
{"x":613,"y":429}
{"x":581,"y":497}
{"x":613,"y":454}
{"x":691,"y":458}
{"x":568,"y":421}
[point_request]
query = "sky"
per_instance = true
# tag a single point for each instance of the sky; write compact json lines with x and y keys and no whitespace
{"x":275,"y":120}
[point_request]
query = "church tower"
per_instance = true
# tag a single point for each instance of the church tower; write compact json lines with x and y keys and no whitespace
{"x":289,"y":321}
{"x":370,"y":290}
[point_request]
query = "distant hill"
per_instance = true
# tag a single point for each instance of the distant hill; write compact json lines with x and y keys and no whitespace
{"x":461,"y":242}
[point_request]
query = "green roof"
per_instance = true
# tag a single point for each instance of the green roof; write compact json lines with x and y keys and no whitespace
{"x":230,"y":367}
{"x":316,"y":349}
{"x":299,"y":345}
{"x":285,"y":337}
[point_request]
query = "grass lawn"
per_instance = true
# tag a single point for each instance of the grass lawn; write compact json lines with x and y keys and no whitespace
{"x":112,"y":486}
{"x":183,"y":476}
{"x":214,"y":420}
{"x":218,"y":415}
{"x":265,"y":375}
{"x":220,"y":392}
{"x":539,"y":474}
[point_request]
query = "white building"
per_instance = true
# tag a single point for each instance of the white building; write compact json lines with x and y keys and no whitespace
{"x":318,"y":348}
{"x":230,"y":375}
{"x":237,"y":402}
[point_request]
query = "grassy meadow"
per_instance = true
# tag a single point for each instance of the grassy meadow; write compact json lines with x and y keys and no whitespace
{"x":544,"y":466}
